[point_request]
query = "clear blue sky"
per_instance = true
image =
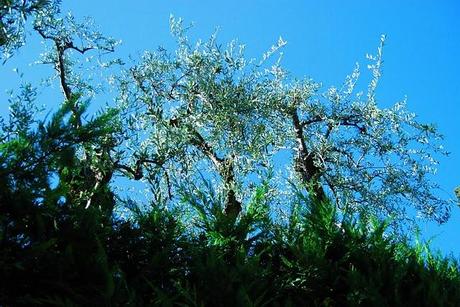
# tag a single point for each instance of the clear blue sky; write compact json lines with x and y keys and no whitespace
{"x":325,"y":40}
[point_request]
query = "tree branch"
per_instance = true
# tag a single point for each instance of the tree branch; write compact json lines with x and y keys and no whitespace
{"x":61,"y":47}
{"x":137,"y":171}
{"x":226,"y":171}
{"x":313,"y":120}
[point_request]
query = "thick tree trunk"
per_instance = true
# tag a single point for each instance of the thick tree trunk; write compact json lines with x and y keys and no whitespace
{"x":232,"y":205}
{"x":304,"y":162}
{"x":226,"y":170}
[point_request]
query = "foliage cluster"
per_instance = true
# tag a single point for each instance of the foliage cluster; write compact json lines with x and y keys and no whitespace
{"x":56,"y":252}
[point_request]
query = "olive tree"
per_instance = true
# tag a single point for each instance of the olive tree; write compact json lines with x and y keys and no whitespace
{"x":207,"y":109}
{"x":207,"y":116}
{"x":68,"y":43}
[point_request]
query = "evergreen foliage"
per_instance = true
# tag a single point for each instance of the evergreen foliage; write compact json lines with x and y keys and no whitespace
{"x":55,"y":252}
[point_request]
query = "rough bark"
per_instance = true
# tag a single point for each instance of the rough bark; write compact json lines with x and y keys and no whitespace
{"x":305,"y":161}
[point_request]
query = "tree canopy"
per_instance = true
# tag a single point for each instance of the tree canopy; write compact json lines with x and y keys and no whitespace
{"x":206,"y":103}
{"x":205,"y":113}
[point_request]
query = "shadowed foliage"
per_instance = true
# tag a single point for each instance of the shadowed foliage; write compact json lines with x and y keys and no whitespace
{"x":56,"y":252}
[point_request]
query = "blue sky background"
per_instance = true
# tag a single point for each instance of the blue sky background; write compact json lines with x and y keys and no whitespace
{"x":325,"y":40}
